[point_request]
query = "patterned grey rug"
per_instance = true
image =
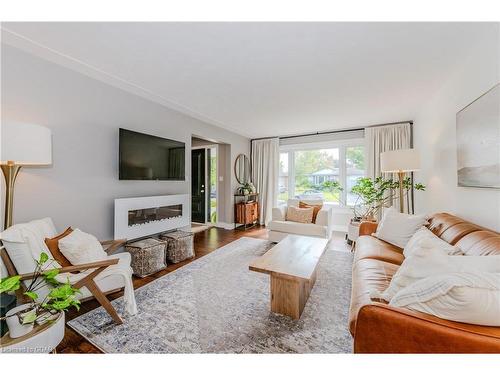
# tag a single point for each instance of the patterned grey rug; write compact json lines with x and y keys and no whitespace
{"x":216,"y":305}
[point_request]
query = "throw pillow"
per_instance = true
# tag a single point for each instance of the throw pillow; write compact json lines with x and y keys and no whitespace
{"x":80,"y":247}
{"x":397,"y":228}
{"x":472,"y":298}
{"x":300,"y":215}
{"x":424,"y":233}
{"x":316,"y":209}
{"x":53,"y":245}
{"x":427,"y":260}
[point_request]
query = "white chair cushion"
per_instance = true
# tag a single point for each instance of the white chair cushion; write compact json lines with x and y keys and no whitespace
{"x":298,"y":228}
{"x":80,"y":247}
{"x":25,"y":242}
{"x":472,"y":298}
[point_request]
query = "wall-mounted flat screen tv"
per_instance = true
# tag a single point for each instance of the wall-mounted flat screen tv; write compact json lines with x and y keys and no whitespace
{"x":147,"y":157}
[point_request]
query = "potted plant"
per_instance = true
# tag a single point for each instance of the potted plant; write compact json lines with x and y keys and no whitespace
{"x":375,"y":194}
{"x":246,"y":188}
{"x":61,"y":297}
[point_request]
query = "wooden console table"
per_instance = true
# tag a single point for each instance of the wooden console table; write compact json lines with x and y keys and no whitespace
{"x":246,"y":210}
{"x":292,"y":266}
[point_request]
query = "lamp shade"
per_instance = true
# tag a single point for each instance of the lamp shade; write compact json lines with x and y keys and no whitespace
{"x":400,"y":161}
{"x":26,"y":144}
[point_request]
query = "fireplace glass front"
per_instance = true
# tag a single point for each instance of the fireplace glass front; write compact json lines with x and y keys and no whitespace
{"x":148,"y":215}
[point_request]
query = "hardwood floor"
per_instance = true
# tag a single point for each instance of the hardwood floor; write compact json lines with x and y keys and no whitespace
{"x":204,"y":243}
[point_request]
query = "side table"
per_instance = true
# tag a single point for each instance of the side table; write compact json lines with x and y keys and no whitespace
{"x":42,"y":339}
{"x":352,"y":233}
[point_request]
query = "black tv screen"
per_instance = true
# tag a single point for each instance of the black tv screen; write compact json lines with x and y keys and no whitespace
{"x":147,"y":157}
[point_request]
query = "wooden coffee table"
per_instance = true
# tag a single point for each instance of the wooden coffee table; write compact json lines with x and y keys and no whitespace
{"x":292,"y":266}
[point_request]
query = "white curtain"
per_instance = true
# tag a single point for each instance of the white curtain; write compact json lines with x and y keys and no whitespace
{"x":265,"y":171}
{"x":385,"y":138}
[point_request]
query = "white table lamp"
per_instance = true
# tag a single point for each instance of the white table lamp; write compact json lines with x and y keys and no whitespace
{"x":400,"y":162}
{"x":21,"y":145}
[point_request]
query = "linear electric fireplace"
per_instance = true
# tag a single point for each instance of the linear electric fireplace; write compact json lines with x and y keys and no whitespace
{"x":148,"y":215}
{"x":144,"y":216}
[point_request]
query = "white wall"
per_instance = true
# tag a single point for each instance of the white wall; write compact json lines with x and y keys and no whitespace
{"x":435,"y":137}
{"x":84,"y":115}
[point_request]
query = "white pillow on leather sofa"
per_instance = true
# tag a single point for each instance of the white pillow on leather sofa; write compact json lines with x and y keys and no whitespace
{"x":397,"y":228}
{"x":424,"y":233}
{"x":462,"y":297}
{"x":427,"y":260}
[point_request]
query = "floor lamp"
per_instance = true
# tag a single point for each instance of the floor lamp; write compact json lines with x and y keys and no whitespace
{"x":400,"y":162}
{"x":22,"y":145}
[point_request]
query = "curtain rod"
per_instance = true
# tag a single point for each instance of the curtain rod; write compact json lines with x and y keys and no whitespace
{"x":332,"y":131}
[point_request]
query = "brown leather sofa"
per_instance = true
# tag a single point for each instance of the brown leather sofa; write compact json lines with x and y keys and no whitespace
{"x":380,"y":328}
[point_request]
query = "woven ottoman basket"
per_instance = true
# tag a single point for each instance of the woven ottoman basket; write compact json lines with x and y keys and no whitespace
{"x":178,"y":245}
{"x":148,"y":256}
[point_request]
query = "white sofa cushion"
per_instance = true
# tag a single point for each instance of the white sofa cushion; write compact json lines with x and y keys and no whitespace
{"x":423,"y":233}
{"x":397,"y":228}
{"x":298,"y":228}
{"x":472,"y":298}
{"x":428,"y":261}
{"x":80,"y":247}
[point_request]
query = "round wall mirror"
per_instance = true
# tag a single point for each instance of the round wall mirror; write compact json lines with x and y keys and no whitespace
{"x":242,"y":169}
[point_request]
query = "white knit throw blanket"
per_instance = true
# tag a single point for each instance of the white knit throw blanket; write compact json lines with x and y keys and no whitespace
{"x":125,"y":272}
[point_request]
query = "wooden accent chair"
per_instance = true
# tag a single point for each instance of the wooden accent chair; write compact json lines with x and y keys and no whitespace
{"x":89,"y":277}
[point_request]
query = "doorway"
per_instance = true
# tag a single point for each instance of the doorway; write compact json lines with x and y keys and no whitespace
{"x":198,"y":182}
{"x":204,"y":177}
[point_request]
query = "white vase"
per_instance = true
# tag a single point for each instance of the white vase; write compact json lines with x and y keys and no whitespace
{"x":16,"y":329}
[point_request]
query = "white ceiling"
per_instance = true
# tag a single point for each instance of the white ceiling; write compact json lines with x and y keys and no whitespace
{"x":262,"y":79}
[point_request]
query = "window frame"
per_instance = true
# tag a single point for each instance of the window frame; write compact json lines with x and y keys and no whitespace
{"x":342,"y":145}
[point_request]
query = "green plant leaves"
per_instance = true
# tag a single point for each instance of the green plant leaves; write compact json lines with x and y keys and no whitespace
{"x":43,"y":258}
{"x":10,"y":284}
{"x":62,"y":297}
{"x":29,"y":317}
{"x":374,"y":194}
{"x":31,"y":295}
{"x":49,"y":277}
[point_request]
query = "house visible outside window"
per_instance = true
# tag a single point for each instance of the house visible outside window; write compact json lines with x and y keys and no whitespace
{"x":305,"y":171}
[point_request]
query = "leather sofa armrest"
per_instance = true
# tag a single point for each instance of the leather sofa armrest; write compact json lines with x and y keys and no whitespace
{"x":366,"y":228}
{"x":382,"y":328}
{"x":279,"y":213}
{"x":324,"y":216}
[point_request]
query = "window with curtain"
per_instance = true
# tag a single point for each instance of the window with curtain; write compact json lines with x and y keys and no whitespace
{"x":305,"y":170}
{"x":283,"y":178}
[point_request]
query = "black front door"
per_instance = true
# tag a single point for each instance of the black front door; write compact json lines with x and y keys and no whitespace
{"x":198,"y":186}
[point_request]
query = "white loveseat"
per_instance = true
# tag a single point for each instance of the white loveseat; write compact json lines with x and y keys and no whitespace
{"x":25,"y":242}
{"x":279,"y":227}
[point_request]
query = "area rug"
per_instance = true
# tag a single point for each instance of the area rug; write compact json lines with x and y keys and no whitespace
{"x":216,"y":305}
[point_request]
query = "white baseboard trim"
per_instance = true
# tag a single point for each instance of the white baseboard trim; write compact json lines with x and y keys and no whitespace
{"x":223,"y":225}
